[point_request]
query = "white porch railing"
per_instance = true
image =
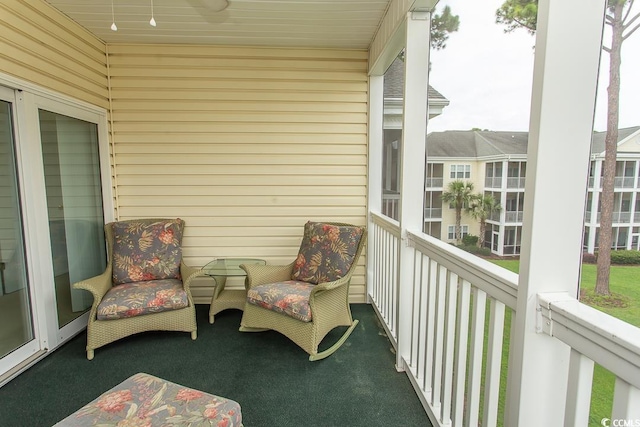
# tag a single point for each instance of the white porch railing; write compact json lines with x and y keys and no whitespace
{"x":461,"y":307}
{"x":391,"y":204}
{"x":384,"y":236}
{"x":594,"y":336}
{"x":450,"y":293}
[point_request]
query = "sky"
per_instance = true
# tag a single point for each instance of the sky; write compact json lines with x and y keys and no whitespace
{"x":487,"y":74}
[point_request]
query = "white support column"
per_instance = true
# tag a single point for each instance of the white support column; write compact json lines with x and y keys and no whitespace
{"x":412,"y":155}
{"x":565,"y":75}
{"x":374,"y":194}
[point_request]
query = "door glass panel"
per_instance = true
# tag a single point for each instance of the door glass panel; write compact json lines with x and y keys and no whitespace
{"x":16,"y":327}
{"x":74,"y":207}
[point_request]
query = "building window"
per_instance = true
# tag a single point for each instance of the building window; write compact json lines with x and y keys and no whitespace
{"x":451,"y":231}
{"x":460,"y":172}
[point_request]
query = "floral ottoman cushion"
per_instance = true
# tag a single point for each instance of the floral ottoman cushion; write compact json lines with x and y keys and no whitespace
{"x":137,"y":299}
{"x":290,"y":297}
{"x":146,"y":401}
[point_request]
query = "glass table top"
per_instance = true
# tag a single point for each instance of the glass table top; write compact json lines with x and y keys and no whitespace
{"x":229,"y":266}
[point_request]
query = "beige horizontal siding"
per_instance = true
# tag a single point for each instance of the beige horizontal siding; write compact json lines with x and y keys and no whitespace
{"x":246,"y":144}
{"x":40,"y":45}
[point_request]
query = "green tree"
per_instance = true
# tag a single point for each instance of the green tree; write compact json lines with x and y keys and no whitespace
{"x":482,"y":207}
{"x":442,"y":25}
{"x":458,"y":195}
{"x":523,"y":14}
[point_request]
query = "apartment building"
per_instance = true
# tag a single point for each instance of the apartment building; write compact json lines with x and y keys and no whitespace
{"x":496,"y":163}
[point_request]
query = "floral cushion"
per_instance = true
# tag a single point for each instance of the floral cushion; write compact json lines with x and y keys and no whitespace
{"x":326,"y":252}
{"x":290,"y":297}
{"x":145,"y":401}
{"x":136,"y":299}
{"x":147,"y":250}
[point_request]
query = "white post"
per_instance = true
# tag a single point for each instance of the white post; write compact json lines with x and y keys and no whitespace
{"x":374,"y":196}
{"x":412,"y":155}
{"x":567,"y":58}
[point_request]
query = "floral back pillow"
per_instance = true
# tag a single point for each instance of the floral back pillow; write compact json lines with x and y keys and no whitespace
{"x":327,"y":252}
{"x":147,"y":250}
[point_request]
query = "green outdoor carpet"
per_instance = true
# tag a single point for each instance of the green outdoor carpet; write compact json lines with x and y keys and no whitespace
{"x":266,"y":373}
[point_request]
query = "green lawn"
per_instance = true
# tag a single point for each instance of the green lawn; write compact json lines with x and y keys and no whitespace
{"x":624,"y":280}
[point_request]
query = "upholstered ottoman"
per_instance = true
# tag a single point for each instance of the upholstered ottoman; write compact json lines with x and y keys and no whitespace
{"x":146,"y":401}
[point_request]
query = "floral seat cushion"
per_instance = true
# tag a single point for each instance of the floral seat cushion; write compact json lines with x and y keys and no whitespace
{"x":136,"y":299}
{"x":290,"y":298}
{"x":147,"y":250}
{"x":145,"y":401}
{"x":326,"y":253}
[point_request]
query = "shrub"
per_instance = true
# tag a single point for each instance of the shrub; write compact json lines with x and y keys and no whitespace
{"x":473,"y":249}
{"x":589,"y":258}
{"x":470,"y":240}
{"x":625,"y":257}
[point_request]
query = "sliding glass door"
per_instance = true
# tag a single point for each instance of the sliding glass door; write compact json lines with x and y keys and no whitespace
{"x":54,"y":186}
{"x":16,"y":320}
{"x":71,"y":164}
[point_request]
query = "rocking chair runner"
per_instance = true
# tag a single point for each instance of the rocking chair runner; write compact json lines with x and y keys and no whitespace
{"x":308,"y":298}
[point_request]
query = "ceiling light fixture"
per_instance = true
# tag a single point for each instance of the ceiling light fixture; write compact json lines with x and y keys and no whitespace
{"x":215,"y":5}
{"x":113,"y":19}
{"x":152,"y":22}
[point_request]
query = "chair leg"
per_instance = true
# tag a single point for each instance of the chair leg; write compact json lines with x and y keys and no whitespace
{"x":328,"y":352}
{"x":194,"y":335}
{"x":89,"y":354}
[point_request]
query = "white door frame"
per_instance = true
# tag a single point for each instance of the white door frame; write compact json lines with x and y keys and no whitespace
{"x":28,"y":99}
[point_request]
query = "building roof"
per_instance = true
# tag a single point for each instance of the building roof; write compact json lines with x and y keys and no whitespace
{"x":394,"y":83}
{"x":597,"y":142}
{"x":476,"y":143}
{"x":473,"y":144}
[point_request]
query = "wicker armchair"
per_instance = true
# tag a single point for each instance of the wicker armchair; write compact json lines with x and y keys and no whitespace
{"x":162,"y":277}
{"x":326,"y":303}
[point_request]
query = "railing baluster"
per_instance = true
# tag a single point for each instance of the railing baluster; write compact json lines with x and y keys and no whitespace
{"x":475,"y":356}
{"x":425,"y":262}
{"x":448,"y":370}
{"x":625,"y":402}
{"x":462,"y":341}
{"x":416,"y":313}
{"x":494,"y":358}
{"x":438,"y":348}
{"x":578,"y":390}
{"x":431,"y":314}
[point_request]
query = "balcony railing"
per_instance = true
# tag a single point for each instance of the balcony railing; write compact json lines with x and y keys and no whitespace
{"x":433,"y":182}
{"x":433,"y":213}
{"x":515,"y":182}
{"x":460,"y":302}
{"x":624,"y":182}
{"x":513,"y":216}
{"x":493,"y":182}
{"x":390,"y":204}
{"x":618,"y":217}
{"x":619,"y":182}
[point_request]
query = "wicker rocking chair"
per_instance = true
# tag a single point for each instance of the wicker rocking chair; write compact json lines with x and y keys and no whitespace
{"x":308,"y":298}
{"x":145,"y":286}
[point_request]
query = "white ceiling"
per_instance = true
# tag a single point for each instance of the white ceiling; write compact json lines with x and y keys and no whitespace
{"x":305,"y":23}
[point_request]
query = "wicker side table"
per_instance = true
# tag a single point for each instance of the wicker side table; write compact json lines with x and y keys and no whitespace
{"x":220,"y":269}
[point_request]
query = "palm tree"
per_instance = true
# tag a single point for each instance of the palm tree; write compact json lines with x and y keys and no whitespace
{"x":482,"y":207}
{"x":458,"y":195}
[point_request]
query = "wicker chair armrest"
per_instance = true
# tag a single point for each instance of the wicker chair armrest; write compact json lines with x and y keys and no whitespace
{"x":327,"y":286}
{"x":189,"y":273}
{"x":97,"y":285}
{"x":261,"y":274}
